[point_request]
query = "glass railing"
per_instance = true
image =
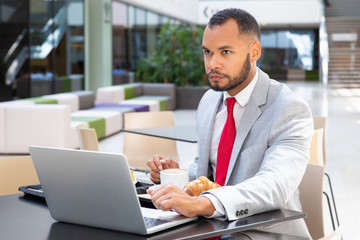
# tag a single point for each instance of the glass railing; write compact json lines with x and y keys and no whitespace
{"x":44,"y":40}
{"x":16,"y":57}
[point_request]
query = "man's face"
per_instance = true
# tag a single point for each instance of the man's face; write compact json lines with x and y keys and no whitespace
{"x":226,"y":57}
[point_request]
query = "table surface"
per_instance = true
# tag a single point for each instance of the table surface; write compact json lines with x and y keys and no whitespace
{"x":27,"y":217}
{"x":185,"y":133}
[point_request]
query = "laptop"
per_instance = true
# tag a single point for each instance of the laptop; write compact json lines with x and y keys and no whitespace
{"x":96,"y":189}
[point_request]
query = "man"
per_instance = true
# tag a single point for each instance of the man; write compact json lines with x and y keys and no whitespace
{"x":268,"y":149}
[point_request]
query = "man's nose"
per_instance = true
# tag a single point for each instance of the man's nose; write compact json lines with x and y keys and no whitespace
{"x":214,"y":63}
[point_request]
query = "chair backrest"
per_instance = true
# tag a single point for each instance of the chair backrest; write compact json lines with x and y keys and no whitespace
{"x":139,"y":148}
{"x":320,"y":122}
{"x":15,"y":172}
{"x":311,"y":197}
{"x":316,"y":148}
{"x":88,"y":139}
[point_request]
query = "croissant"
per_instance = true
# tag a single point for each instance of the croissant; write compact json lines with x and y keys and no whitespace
{"x":196,"y":187}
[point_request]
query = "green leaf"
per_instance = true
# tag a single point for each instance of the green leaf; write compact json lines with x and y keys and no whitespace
{"x":177,"y":56}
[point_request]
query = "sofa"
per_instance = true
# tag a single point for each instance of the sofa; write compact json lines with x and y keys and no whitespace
{"x":157,"y":96}
{"x":25,"y":124}
{"x":52,"y":120}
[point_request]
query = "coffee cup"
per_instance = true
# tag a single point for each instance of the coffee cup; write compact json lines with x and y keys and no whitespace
{"x":175,"y":176}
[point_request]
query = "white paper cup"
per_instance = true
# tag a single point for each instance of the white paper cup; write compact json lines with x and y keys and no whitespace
{"x":175,"y":176}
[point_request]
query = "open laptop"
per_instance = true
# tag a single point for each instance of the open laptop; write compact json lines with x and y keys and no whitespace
{"x":96,"y":189}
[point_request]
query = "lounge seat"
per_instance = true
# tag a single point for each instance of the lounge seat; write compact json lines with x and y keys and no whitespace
{"x":70,"y":99}
{"x":124,"y":108}
{"x":105,"y":123}
{"x":154,"y":105}
{"x":36,"y":124}
{"x":165,"y":94}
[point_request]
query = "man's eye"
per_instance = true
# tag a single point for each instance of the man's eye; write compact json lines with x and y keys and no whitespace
{"x":206,"y":52}
{"x":226,"y":51}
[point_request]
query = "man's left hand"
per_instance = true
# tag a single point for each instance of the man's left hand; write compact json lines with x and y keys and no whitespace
{"x":169,"y":197}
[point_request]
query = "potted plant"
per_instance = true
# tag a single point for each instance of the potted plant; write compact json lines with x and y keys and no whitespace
{"x":177,"y":59}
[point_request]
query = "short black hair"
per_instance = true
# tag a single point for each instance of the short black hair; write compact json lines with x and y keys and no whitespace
{"x":247,"y":24}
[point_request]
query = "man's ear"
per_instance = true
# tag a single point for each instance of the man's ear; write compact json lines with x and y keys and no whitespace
{"x":255,"y":51}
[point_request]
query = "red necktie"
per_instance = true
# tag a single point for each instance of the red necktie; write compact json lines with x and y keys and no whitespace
{"x":226,"y":144}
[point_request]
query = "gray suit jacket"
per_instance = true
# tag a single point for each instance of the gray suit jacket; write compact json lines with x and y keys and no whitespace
{"x":270,"y":154}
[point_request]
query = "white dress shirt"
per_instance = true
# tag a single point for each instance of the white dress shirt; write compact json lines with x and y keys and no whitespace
{"x":242,"y":98}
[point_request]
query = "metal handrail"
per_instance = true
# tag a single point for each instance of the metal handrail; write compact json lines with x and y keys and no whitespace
{"x":14,"y":46}
{"x":51,"y":41}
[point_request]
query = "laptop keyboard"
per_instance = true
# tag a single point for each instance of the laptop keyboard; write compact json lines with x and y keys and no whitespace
{"x":38,"y":191}
{"x":153,"y":222}
{"x":32,"y":190}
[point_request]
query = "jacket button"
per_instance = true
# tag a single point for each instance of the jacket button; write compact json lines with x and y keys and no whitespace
{"x":246,"y":211}
{"x":238,"y":213}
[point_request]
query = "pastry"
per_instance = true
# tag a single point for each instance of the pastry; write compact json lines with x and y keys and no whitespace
{"x":196,"y":187}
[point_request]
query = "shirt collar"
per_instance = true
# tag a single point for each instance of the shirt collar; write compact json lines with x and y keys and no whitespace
{"x":244,"y":95}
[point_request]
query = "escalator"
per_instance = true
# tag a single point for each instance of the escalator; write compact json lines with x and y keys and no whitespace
{"x":44,"y":40}
{"x":35,"y":45}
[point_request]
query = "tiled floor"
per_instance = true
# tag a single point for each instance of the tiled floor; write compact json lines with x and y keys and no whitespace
{"x":342,"y":108}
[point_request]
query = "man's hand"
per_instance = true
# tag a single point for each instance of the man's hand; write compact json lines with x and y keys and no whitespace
{"x":157,"y":164}
{"x":168,"y":197}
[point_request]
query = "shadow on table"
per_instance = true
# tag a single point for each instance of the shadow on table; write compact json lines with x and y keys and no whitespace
{"x":197,"y":230}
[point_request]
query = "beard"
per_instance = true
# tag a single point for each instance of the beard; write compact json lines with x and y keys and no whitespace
{"x":233,"y":82}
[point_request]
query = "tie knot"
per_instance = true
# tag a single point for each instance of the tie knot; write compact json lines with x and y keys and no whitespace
{"x":230,"y":102}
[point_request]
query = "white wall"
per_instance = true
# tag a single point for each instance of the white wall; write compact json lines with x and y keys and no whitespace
{"x":268,"y":12}
{"x":181,"y":9}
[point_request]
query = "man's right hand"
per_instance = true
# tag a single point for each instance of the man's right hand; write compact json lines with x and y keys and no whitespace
{"x":157,"y":164}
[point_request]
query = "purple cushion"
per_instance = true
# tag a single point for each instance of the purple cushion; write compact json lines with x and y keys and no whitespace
{"x":136,"y":107}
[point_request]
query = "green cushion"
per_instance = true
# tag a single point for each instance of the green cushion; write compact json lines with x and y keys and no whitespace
{"x":129,"y":90}
{"x":41,"y":100}
{"x":65,"y":84}
{"x":97,"y":123}
{"x":162,"y":102}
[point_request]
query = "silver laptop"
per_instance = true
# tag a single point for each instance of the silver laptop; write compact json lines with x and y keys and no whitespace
{"x":96,"y":189}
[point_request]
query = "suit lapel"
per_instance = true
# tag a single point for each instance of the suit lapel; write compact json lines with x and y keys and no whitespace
{"x":252,"y":112}
{"x":212,"y":106}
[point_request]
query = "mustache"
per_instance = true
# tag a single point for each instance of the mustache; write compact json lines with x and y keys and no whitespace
{"x":214,"y":72}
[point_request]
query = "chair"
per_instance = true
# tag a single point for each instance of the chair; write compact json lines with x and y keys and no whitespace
{"x":320,"y":123}
{"x":88,"y":139}
{"x":316,"y":147}
{"x":311,"y":190}
{"x":15,"y":172}
{"x":311,"y":197}
{"x":139,"y":148}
